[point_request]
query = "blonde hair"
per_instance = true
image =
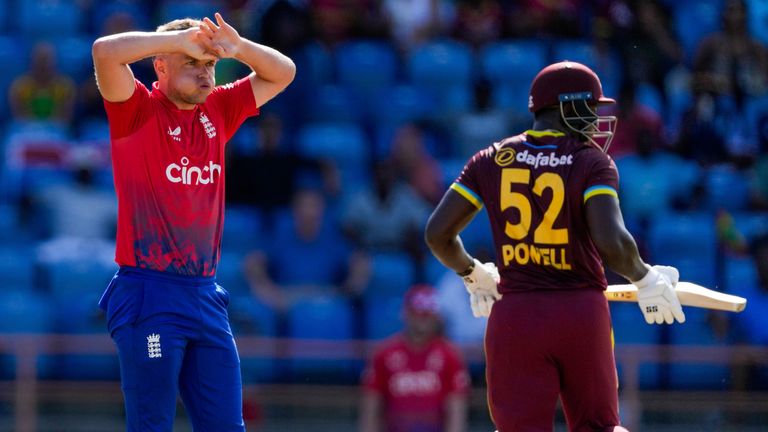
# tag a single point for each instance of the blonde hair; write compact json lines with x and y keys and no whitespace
{"x":179,"y":24}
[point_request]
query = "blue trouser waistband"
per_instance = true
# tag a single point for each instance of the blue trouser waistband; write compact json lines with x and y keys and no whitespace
{"x":165,"y":276}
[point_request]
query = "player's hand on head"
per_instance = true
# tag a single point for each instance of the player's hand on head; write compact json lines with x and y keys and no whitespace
{"x":193,"y":46}
{"x":220,"y":37}
{"x":656,"y":296}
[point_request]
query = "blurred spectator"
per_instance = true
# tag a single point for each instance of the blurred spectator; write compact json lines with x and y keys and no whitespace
{"x":646,"y":37}
{"x":42,"y":93}
{"x":336,"y":21}
{"x":544,"y":18}
{"x":480,"y":127}
{"x":640,"y":128}
{"x":731,"y":62}
{"x":388,"y":217}
{"x":478,"y":21}
{"x":79,"y":209}
{"x":416,"y":380}
{"x":286,"y":26}
{"x":701,"y":132}
{"x":414,"y":164}
{"x":760,"y":184}
{"x":413,"y":22}
{"x":269,"y":179}
{"x":306,"y":255}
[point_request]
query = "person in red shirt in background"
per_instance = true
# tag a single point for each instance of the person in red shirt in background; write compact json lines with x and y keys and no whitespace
{"x":416,"y":380}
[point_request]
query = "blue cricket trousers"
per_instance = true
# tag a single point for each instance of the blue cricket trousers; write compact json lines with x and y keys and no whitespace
{"x":173,"y":336}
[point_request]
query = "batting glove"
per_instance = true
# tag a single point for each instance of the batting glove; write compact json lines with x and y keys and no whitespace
{"x":481,"y":304}
{"x":481,"y":284}
{"x":656,"y":295}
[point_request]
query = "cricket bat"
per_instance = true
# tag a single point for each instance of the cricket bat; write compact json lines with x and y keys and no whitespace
{"x":690,"y":294}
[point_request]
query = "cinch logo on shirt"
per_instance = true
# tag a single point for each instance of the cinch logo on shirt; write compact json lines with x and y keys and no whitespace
{"x":192,"y":175}
{"x":541,"y":159}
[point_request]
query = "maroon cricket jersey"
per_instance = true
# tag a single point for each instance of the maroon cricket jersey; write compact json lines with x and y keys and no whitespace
{"x":534,"y":187}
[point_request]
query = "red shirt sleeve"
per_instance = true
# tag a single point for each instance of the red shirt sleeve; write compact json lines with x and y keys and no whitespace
{"x":467,"y":184}
{"x":128,"y":116}
{"x":235,"y":102}
{"x":375,"y":375}
{"x":456,"y":378}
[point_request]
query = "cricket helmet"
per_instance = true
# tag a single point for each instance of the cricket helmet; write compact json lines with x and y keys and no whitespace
{"x":570,"y":83}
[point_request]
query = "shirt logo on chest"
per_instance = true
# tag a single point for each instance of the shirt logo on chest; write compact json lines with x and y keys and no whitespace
{"x":175,"y":133}
{"x":208,"y":126}
{"x":192,"y":175}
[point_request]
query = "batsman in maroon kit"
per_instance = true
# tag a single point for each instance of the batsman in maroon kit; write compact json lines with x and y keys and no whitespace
{"x":551,"y":197}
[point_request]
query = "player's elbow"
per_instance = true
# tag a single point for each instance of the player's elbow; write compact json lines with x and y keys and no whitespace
{"x":100,"y":48}
{"x":434,"y":236}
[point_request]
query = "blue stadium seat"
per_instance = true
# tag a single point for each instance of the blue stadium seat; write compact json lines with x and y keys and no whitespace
{"x":451,"y":168}
{"x":677,"y":86}
{"x":391,"y":274}
{"x":758,"y":19}
{"x":342,"y":142}
{"x":229,"y":273}
{"x":177,"y":9}
{"x":507,"y":64}
{"x":51,"y":18}
{"x":629,"y":328}
{"x":697,"y":376}
{"x":248,"y":317}
{"x":650,"y":97}
{"x":740,"y":275}
{"x":756,"y":110}
{"x":80,"y":314}
{"x":693,"y":20}
{"x":686,"y":241}
{"x":17,"y":267}
{"x":77,"y":277}
{"x":646,"y":185}
{"x":751,"y":224}
{"x":73,"y":56}
{"x":14,"y":57}
{"x":441,"y":62}
{"x":366,"y":65}
{"x":334,"y":103}
{"x":243,"y":229}
{"x":402,"y":103}
{"x":383,"y":316}
{"x":316,"y":62}
{"x":321,"y":317}
{"x":24,"y":312}
{"x":477,"y":234}
{"x":445,"y":68}
{"x":726,"y":188}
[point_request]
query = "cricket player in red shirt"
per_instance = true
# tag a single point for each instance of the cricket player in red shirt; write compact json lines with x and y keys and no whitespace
{"x":165,"y":312}
{"x":416,"y":381}
{"x":551,"y":197}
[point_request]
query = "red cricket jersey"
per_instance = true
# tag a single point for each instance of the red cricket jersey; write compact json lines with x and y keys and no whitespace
{"x":414,"y":383}
{"x":168,"y":169}
{"x":534,"y":187}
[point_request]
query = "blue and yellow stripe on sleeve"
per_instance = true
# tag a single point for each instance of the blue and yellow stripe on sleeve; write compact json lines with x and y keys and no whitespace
{"x":600,"y":190}
{"x":468,"y":193}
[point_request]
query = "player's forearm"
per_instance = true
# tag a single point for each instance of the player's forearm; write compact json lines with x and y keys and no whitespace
{"x":268,"y":63}
{"x":370,"y":413}
{"x":456,"y":408}
{"x":449,"y":250}
{"x":624,"y":258}
{"x":130,"y":47}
